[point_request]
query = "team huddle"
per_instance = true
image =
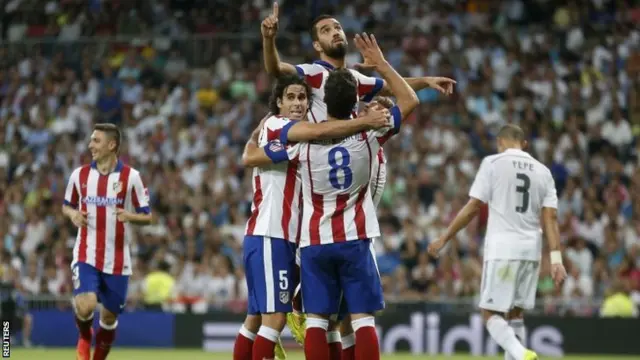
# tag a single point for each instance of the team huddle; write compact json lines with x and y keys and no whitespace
{"x":318,"y":174}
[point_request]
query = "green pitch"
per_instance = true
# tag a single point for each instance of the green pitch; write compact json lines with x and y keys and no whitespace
{"x":170,"y":354}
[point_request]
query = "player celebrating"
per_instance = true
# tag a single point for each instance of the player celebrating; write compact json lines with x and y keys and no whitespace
{"x":330,"y":42}
{"x":339,"y":219}
{"x":102,"y":199}
{"x":269,"y":244}
{"x":519,"y":190}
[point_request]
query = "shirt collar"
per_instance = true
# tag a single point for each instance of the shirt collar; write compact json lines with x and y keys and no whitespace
{"x":118,"y":168}
{"x":325,"y":64}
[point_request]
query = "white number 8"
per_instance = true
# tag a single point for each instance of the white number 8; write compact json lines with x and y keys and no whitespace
{"x":284,"y":280}
{"x":75,"y":273}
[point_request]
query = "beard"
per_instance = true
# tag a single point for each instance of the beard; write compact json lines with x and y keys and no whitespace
{"x":337,"y":51}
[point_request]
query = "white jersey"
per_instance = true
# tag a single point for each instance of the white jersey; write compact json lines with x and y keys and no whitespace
{"x":276,"y":192}
{"x":337,"y":203}
{"x":104,"y":242}
{"x":516,"y":186}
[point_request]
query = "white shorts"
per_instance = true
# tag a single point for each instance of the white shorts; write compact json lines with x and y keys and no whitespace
{"x":507,"y":284}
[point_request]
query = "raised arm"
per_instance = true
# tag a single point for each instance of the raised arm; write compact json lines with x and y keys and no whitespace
{"x":442,"y":84}
{"x":406,"y":98}
{"x":272,"y":62}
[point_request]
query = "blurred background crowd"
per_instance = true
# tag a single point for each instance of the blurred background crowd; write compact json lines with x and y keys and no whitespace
{"x":184,"y":79}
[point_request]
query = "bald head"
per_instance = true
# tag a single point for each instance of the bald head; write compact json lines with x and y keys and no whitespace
{"x":511,"y":137}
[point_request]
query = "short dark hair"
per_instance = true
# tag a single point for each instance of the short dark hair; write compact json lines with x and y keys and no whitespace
{"x":281,"y":85}
{"x":340,"y":93}
{"x":385,"y":101}
{"x":313,"y":31}
{"x":511,"y":132}
{"x":112,"y":132}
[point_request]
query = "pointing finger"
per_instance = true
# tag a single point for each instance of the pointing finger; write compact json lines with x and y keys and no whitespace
{"x":275,"y":9}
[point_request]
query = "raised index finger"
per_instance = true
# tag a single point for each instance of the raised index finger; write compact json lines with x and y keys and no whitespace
{"x":275,"y":9}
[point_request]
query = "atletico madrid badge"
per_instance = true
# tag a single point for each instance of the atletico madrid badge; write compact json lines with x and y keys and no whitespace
{"x":117,"y":186}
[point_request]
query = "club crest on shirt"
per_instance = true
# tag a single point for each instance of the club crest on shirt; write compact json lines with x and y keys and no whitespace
{"x":117,"y":186}
{"x":284,"y":297}
{"x":275,"y":146}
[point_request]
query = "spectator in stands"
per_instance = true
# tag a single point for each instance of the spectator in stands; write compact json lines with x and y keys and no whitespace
{"x":186,"y":105}
{"x":158,"y":287}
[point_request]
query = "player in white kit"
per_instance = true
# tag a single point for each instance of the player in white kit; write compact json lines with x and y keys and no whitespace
{"x":521,"y":195}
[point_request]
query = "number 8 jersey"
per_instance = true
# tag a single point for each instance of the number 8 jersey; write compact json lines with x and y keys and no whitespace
{"x":337,"y":203}
{"x":516,"y":186}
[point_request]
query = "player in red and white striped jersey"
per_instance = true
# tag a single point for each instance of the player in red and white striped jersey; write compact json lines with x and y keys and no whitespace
{"x":331,"y":44}
{"x":271,"y":232}
{"x":103,"y":199}
{"x":339,"y":218}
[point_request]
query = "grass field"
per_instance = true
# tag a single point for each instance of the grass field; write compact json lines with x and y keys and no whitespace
{"x":129,"y":354}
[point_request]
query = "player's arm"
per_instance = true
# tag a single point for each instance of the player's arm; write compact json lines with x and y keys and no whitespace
{"x":301,"y":131}
{"x":272,"y":62}
{"x":140,"y":201}
{"x":479,"y":194}
{"x":462,"y":219}
{"x":551,"y":230}
{"x":442,"y":84}
{"x":406,"y":98}
{"x":71,"y":201}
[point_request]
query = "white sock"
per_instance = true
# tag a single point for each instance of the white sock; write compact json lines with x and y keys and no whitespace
{"x":505,"y":337}
{"x":333,"y":337}
{"x":246,"y":333}
{"x":109,"y":327}
{"x":348,"y":341}
{"x":518,"y":328}
{"x":268,"y":333}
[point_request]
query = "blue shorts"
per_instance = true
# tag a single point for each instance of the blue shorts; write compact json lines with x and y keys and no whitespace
{"x":270,"y":265}
{"x":348,"y":270}
{"x":111,"y":290}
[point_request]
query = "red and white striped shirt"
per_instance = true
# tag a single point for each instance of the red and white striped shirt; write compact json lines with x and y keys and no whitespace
{"x":335,"y":176}
{"x":316,"y":74}
{"x":104,"y":242}
{"x":276,"y":192}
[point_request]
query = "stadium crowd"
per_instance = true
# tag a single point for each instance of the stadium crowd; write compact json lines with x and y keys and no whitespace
{"x":569,"y":74}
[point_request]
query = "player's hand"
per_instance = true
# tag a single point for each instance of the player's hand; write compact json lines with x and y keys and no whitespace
{"x":371,"y":54}
{"x":434,"y":247}
{"x":442,"y":84}
{"x":123,"y":215}
{"x":269,"y":26}
{"x":79,"y":219}
{"x":377,"y":118}
{"x":558,"y":274}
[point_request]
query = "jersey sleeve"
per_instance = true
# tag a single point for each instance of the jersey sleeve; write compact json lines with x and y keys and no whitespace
{"x":273,"y":129}
{"x":481,"y":188}
{"x":383,"y":135}
{"x":312,"y":74}
{"x":278,"y":152}
{"x":72,"y":193}
{"x":139,"y":194}
{"x":368,"y":87}
{"x":550,"y":199}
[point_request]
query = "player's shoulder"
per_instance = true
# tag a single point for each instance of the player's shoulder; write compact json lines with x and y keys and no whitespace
{"x":76,"y":172}
{"x":274,"y":122}
{"x":310,"y":69}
